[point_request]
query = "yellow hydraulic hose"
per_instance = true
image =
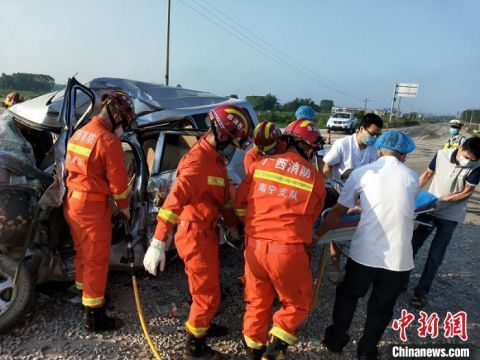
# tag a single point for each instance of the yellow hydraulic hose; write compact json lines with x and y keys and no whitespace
{"x":142,"y":320}
{"x":131,"y":260}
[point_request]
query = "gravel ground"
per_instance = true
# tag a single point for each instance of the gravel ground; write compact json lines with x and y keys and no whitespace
{"x":54,"y":328}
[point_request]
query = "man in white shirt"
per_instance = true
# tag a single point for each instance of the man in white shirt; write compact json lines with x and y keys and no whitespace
{"x":381,"y":251}
{"x":354,"y":150}
{"x":345,"y":155}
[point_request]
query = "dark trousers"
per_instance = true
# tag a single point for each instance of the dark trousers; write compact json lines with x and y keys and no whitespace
{"x":387,"y":285}
{"x":440,"y":241}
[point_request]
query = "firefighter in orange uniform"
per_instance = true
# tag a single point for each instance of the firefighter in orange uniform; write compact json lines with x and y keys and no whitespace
{"x":199,"y":193}
{"x":284,"y":198}
{"x":96,"y":170}
{"x":266,"y":140}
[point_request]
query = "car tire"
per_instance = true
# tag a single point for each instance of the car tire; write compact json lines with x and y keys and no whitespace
{"x":15,"y":301}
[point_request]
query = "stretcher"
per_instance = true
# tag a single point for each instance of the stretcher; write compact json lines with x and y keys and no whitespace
{"x":343,"y":232}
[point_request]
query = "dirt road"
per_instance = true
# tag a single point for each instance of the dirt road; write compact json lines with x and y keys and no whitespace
{"x":54,"y":329}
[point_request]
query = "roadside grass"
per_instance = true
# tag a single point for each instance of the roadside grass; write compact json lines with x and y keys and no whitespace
{"x":25,"y":94}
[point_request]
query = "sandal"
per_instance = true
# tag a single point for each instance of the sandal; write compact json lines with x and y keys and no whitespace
{"x":418,"y":302}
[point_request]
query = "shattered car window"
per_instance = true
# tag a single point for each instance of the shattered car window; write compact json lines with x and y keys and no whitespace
{"x":12,"y":141}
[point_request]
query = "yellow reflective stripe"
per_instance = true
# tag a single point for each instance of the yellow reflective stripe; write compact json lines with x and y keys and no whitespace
{"x":78,"y":285}
{"x":306,"y":123}
{"x":229,"y":204}
{"x":282,"y":179}
{"x":267,"y":130}
{"x":78,"y":149}
{"x":240,"y":212}
{"x":167,"y":215}
{"x":92,"y":302}
{"x":255,"y":131}
{"x":197,"y":332}
{"x":216,"y":181}
{"x":269,"y":147}
{"x":252,"y":343}
{"x":238,"y":113}
{"x":283,"y":335}
{"x":122,"y":195}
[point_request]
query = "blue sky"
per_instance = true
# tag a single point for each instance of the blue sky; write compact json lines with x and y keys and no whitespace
{"x":321,"y":49}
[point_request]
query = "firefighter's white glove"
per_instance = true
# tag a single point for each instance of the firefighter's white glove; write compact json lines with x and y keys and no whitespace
{"x":155,"y":257}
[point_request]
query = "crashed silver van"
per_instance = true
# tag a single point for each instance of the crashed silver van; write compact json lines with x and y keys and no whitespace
{"x":35,"y":245}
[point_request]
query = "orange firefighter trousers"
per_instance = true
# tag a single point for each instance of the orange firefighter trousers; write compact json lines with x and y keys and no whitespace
{"x":89,"y":217}
{"x":275,"y":268}
{"x":198,"y":246}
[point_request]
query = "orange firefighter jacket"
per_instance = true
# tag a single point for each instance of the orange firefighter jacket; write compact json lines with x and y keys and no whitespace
{"x":284,"y":196}
{"x":95,"y":164}
{"x":251,"y":157}
{"x":199,"y":193}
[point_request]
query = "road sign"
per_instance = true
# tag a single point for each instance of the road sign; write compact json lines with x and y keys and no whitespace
{"x":406,"y":90}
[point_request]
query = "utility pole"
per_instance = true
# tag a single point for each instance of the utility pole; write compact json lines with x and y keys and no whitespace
{"x":393,"y":102}
{"x":168,"y":44}
{"x":365,"y":101}
{"x":398,"y":107}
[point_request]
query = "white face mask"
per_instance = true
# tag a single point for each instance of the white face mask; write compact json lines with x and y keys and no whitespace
{"x":464,"y":162}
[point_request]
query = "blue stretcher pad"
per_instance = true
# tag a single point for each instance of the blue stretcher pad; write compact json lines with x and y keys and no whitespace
{"x":345,"y":229}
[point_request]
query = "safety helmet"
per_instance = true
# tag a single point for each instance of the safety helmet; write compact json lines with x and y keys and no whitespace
{"x":455,"y":123}
{"x":265,"y":136}
{"x":12,"y":98}
{"x":303,"y":130}
{"x":121,"y":102}
{"x":231,"y":123}
{"x":305,"y":112}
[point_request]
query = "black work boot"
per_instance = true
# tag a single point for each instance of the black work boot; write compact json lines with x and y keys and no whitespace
{"x":197,"y":348}
{"x":275,"y":350}
{"x":333,"y":342}
{"x":255,"y":354}
{"x":96,"y":320}
{"x":217,"y":331}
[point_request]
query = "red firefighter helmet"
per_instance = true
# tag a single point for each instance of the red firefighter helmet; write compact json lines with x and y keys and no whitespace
{"x":303,"y":130}
{"x":120,"y":101}
{"x":265,"y":136}
{"x":231,"y":124}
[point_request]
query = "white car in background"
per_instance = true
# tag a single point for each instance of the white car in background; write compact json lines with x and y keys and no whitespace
{"x":342,"y":121}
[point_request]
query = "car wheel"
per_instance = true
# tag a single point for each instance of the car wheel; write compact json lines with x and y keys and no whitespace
{"x":15,"y":301}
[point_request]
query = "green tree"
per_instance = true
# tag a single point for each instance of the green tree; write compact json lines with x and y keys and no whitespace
{"x":26,"y":81}
{"x":263,"y":103}
{"x":294,"y":104}
{"x":326,"y":106}
{"x":234,"y":96}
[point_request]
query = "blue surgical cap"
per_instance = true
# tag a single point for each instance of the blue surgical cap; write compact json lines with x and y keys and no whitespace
{"x":305,"y":112}
{"x":395,"y":140}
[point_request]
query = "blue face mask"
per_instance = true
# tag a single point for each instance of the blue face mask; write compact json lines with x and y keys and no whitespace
{"x":369,"y":140}
{"x":454,"y":131}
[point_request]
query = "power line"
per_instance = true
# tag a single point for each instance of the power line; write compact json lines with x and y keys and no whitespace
{"x":247,"y":40}
{"x":242,"y":39}
{"x":334,"y":84}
